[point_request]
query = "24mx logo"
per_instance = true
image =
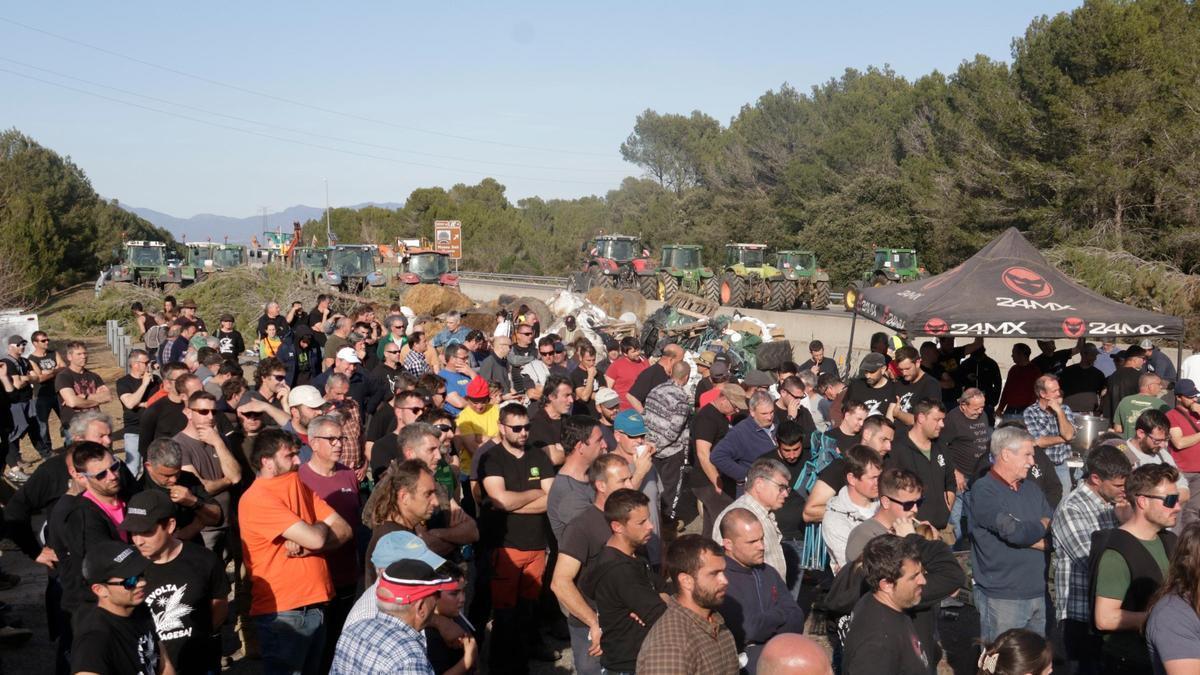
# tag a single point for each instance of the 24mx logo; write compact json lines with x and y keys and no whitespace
{"x":1023,"y":303}
{"x":1101,"y":328}
{"x":936,"y":326}
{"x":1026,"y":282}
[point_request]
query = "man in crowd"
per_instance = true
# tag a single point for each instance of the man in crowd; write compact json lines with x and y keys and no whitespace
{"x":1009,"y":520}
{"x":817,"y":364}
{"x":458,"y":375}
{"x":206,"y":456}
{"x":876,"y":432}
{"x":535,"y":374}
{"x":964,"y":440}
{"x":516,"y":482}
{"x":625,"y":589}
{"x":918,"y":451}
{"x":622,"y":373}
{"x":899,"y":497}
{"x":1149,"y":446}
{"x":1049,"y":421}
{"x":408,"y":406}
{"x":667,"y":410}
{"x":654,"y":375}
{"x":46,"y":365}
{"x":195,"y":509}
{"x":873,"y":387}
{"x":496,"y":368}
{"x":691,"y":636}
{"x":855,"y":503}
{"x":1018,"y":392}
{"x":914,"y":385}
{"x":1083,"y":377}
{"x":1131,"y":407}
{"x":453,"y":332}
{"x":630,"y":431}
{"x":746,"y":441}
{"x":585,"y":379}
{"x":709,"y":427}
{"x":757,"y":603}
{"x":882,"y":638}
{"x":16,"y":385}
{"x":571,"y":493}
{"x":78,"y":388}
{"x":164,"y":417}
{"x":1089,"y":508}
{"x":1157,"y":362}
{"x":579,"y":546}
{"x":284,"y":526}
{"x":1123,"y":382}
{"x":1185,"y":443}
{"x":766,"y":489}
{"x":546,"y":425}
{"x":790,"y":516}
{"x":118,"y":635}
{"x":186,"y":589}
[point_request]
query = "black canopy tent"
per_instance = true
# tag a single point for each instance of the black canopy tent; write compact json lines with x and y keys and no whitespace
{"x":1008,"y":289}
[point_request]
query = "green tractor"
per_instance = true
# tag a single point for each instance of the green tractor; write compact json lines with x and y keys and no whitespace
{"x":749,"y":281}
{"x":144,"y":263}
{"x":892,"y":266}
{"x":811,"y":283}
{"x":309,"y":260}
{"x":204,"y":258}
{"x":681,"y":270}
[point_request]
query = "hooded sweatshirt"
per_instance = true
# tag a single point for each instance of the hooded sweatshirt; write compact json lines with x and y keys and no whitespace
{"x":302,"y":364}
{"x":757,"y":607}
{"x":842,"y":516}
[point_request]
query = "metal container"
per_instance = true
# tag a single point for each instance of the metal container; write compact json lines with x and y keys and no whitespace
{"x":1087,"y":428}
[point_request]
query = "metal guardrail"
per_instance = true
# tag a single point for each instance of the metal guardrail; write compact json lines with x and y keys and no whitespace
{"x":515,"y":278}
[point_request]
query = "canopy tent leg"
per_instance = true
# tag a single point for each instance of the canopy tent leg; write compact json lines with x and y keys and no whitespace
{"x":850,"y":347}
{"x":1178,"y":358}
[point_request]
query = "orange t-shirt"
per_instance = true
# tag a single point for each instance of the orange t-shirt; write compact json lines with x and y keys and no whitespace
{"x":279,"y":583}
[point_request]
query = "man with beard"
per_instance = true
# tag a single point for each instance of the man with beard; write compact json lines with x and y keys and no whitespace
{"x":622,"y":373}
{"x":882,"y":638}
{"x":964,"y":440}
{"x":546,"y":425}
{"x":873,"y":387}
{"x":918,"y":451}
{"x":186,"y":589}
{"x":608,"y":404}
{"x":1049,"y":420}
{"x":691,"y":636}
{"x":78,"y":388}
{"x":1149,"y":446}
{"x":914,"y":386}
{"x":118,"y":635}
{"x":206,"y":457}
{"x":817,"y":364}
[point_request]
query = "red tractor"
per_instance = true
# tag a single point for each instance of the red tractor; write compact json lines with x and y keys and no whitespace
{"x":617,"y":261}
{"x":427,"y":266}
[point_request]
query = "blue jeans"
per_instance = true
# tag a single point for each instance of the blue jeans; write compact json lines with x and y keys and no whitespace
{"x":291,"y":641}
{"x":585,"y":664}
{"x":956,"y":513}
{"x":793,"y":554}
{"x":133,"y":459}
{"x":1064,"y":477}
{"x":43,"y":406}
{"x":997,"y":615}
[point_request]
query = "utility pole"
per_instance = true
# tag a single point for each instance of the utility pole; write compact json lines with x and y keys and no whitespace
{"x":328,"y":228}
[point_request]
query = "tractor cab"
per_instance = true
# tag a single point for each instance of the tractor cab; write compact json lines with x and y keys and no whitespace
{"x":618,"y":248}
{"x":746,"y":255}
{"x":681,"y":256}
{"x":799,"y":262}
{"x":426,"y":266}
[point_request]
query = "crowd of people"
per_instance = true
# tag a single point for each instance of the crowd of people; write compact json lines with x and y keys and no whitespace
{"x":351,"y":493}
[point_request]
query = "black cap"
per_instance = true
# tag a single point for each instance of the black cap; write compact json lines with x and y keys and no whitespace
{"x":146,"y":509}
{"x":112,"y":560}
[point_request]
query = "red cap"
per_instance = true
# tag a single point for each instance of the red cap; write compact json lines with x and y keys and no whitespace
{"x":478,"y":388}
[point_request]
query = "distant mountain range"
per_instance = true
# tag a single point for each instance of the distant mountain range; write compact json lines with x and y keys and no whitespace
{"x":207,"y":225}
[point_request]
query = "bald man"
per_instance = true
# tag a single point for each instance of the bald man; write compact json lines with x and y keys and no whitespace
{"x":653,"y":376}
{"x":793,"y":654}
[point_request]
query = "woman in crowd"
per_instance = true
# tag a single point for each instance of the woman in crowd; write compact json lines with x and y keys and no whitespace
{"x":1173,"y":627}
{"x":1017,"y":652}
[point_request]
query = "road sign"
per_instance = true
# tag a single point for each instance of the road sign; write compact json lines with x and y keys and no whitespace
{"x":447,"y":237}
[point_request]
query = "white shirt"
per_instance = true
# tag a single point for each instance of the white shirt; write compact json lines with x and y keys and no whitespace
{"x":772,"y":537}
{"x":841,"y":517}
{"x":1163,"y":457}
{"x":503,"y":329}
{"x":1190,"y":369}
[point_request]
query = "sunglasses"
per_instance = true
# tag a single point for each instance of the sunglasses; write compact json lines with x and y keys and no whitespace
{"x":549,"y":353}
{"x":279,"y":378}
{"x":42,"y":340}
{"x":391,"y":351}
{"x":1169,"y":501}
{"x":128,"y":583}
{"x":103,"y":473}
{"x":517,"y":428}
{"x":202,"y":411}
{"x":443,"y":427}
{"x":419,"y":408}
{"x":524,"y":333}
{"x":907,"y":505}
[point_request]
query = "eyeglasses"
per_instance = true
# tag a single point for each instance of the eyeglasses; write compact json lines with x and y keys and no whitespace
{"x":333,"y":440}
{"x":517,"y":428}
{"x":1169,"y":501}
{"x":782,"y":487}
{"x":103,"y":473}
{"x":443,"y":427}
{"x":202,"y":411}
{"x":279,"y":378}
{"x":128,"y":583}
{"x":417,"y":409}
{"x":907,"y":505}
{"x":549,"y":353}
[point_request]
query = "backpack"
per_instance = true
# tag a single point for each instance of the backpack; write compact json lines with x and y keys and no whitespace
{"x":155,"y":336}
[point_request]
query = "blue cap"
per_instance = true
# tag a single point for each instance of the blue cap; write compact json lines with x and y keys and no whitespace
{"x":630,"y":423}
{"x":1186,"y":388}
{"x":396,"y":546}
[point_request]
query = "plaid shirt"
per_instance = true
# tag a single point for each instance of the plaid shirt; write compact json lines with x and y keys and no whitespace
{"x":352,"y":443}
{"x":1078,"y":516}
{"x":666,"y":412}
{"x":415,"y":364}
{"x":1041,"y":423}
{"x":682,"y":642}
{"x":383,"y":644}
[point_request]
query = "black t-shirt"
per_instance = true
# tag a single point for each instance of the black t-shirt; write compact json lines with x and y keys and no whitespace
{"x":162,"y":419}
{"x":132,"y":417}
{"x":646,"y":380}
{"x":1054,"y":362}
{"x":115,"y":645}
{"x":522,"y":531}
{"x":827,"y":367}
{"x":19,"y":366}
{"x":790,"y":517}
{"x":184,"y":516}
{"x":882,"y":640}
{"x":876,"y":400}
{"x":708,"y":425}
{"x":964,"y":440}
{"x":1076,"y":379}
{"x":47,"y":362}
{"x":383,"y":422}
{"x":443,"y":656}
{"x":834,"y":475}
{"x":544,"y":431}
{"x":928,"y":387}
{"x":83,"y":384}
{"x":383,"y":452}
{"x":622,"y":584}
{"x":281,"y":325}
{"x":584,"y":539}
{"x":230,"y":344}
{"x":843,"y":440}
{"x":578,"y":377}
{"x":704,"y":385}
{"x":180,"y":594}
{"x":935,"y":471}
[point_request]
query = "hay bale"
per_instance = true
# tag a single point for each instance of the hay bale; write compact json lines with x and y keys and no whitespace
{"x":432,"y":300}
{"x":480,"y":320}
{"x":545,"y":316}
{"x":616,"y":302}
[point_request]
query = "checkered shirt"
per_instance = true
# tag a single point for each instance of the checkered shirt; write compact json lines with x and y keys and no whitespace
{"x":1078,"y":516}
{"x":1039,"y":423}
{"x":383,"y":644}
{"x":415,"y":364}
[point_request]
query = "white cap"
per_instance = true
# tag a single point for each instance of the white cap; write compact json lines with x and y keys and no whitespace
{"x":348,"y":355}
{"x":306,"y":395}
{"x":1146,"y":344}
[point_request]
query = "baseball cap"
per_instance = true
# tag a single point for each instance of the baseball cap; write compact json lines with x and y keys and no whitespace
{"x":1186,"y":388}
{"x":1146,"y":344}
{"x":348,"y":355}
{"x":759,"y":378}
{"x":306,"y":395}
{"x":112,"y":560}
{"x":735,"y":395}
{"x":706,"y":359}
{"x":719,"y":368}
{"x":1134,"y":352}
{"x":630,"y":423}
{"x":226,"y":317}
{"x":395,"y":546}
{"x":607,"y":397}
{"x":478,"y":388}
{"x":407,"y":581}
{"x":188,"y":304}
{"x":559,"y":347}
{"x":145,"y":510}
{"x":16,"y":340}
{"x":871,"y":363}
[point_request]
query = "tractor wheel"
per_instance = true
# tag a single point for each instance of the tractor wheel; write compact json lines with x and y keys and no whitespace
{"x":668,"y":287}
{"x":648,"y":287}
{"x":602,"y":280}
{"x":777,"y":300}
{"x":851,"y":297}
{"x":791,"y":294}
{"x":820,"y":297}
{"x":712,"y":289}
{"x":733,"y":290}
{"x":880,"y":279}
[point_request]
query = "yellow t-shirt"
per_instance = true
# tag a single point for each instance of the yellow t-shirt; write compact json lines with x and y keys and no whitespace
{"x":471,"y":423}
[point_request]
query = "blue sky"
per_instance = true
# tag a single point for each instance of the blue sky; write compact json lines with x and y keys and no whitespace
{"x":538,"y":95}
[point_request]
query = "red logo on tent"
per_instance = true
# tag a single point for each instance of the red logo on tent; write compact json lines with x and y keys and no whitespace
{"x":1026,"y":282}
{"x":1074,"y":327}
{"x":936,"y":326}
